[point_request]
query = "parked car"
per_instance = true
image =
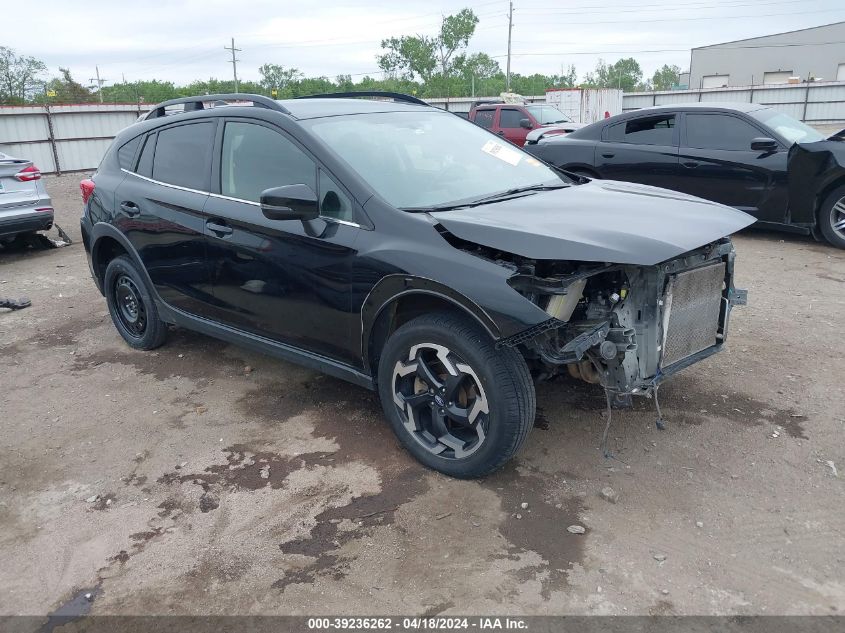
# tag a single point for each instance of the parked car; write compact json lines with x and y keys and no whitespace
{"x":25,"y":206}
{"x":518,"y":122}
{"x":747,"y":156}
{"x":398,"y":247}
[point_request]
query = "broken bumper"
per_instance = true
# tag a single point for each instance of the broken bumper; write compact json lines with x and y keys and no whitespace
{"x":670,"y":316}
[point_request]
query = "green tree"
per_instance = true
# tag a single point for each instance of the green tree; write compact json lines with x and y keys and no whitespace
{"x":625,"y":74}
{"x":665,"y":77}
{"x":20,"y":76}
{"x":478,"y":65}
{"x":67,"y":89}
{"x":344,"y":83}
{"x":423,"y":56}
{"x":275,"y":77}
{"x":153,"y":91}
{"x":568,"y":79}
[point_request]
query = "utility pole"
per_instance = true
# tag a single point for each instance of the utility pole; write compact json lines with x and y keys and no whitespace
{"x":510,"y":29}
{"x":99,"y":82}
{"x":234,"y":61}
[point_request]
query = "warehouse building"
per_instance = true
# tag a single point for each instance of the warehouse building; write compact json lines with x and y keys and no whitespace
{"x":817,"y":52}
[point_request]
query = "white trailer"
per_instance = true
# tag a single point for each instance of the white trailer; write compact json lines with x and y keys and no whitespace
{"x":586,"y":105}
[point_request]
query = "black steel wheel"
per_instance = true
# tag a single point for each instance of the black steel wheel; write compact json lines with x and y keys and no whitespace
{"x":456,"y":403}
{"x":132,"y":309}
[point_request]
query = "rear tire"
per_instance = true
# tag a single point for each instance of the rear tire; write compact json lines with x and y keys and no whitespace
{"x":832,"y":217}
{"x":131,"y":305}
{"x":457,"y":404}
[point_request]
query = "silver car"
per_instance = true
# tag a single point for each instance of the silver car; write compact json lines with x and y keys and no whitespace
{"x":25,"y":206}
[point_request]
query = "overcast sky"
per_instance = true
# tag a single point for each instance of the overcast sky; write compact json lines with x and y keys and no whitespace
{"x":183,"y":40}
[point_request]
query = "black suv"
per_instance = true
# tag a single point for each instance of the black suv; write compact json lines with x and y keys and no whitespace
{"x":398,"y":247}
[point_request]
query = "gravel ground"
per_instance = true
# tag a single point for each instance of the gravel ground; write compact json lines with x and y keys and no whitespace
{"x":202,"y":478}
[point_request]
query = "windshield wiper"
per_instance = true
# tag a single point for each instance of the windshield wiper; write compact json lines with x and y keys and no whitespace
{"x":496,"y":197}
{"x":513,"y":192}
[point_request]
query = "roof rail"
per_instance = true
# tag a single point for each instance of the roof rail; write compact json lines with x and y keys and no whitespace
{"x":196,"y":103}
{"x":396,"y":96}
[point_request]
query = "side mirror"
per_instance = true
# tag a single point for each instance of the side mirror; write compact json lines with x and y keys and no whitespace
{"x":764,"y":144}
{"x":291,"y":202}
{"x":526,"y":123}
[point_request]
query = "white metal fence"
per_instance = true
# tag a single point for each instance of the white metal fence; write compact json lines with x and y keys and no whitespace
{"x":63,"y":138}
{"x":814,"y":103}
{"x":74,"y":137}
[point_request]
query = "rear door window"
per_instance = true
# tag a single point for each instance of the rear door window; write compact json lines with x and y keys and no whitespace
{"x":484,"y":118}
{"x":719,"y":131}
{"x":653,"y":130}
{"x":508,"y":117}
{"x":183,"y":155}
{"x":256,"y":158}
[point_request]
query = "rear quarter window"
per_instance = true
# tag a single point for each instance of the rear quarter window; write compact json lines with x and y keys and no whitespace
{"x":126,"y":153}
{"x":651,"y":130}
{"x":145,"y":160}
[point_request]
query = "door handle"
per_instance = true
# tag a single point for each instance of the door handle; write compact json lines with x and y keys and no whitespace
{"x":130,"y":208}
{"x":608,"y":155}
{"x":221,"y":230}
{"x":690,"y":164}
{"x":500,"y":133}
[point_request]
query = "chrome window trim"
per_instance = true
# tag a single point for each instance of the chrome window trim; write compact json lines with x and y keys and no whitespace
{"x":164,"y":184}
{"x":230,"y":198}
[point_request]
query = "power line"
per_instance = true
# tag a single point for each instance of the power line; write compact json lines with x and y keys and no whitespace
{"x":627,"y":8}
{"x":715,"y":17}
{"x":660,"y":50}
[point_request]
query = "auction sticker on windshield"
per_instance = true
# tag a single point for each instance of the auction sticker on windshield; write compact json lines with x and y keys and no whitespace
{"x":501,"y":152}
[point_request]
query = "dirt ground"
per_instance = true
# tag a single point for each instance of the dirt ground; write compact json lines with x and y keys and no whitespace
{"x":137,"y":476}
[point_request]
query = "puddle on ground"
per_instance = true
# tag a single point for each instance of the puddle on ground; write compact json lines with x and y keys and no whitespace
{"x":77,"y":607}
{"x":541,"y":527}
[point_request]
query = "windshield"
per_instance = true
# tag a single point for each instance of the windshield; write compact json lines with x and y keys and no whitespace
{"x":791,"y":129}
{"x":426,"y":159}
{"x":547,"y":114}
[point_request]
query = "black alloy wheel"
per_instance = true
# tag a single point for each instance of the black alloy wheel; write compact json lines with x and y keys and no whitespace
{"x":441,"y":401}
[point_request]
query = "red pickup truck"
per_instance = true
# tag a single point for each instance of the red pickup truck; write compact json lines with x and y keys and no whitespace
{"x":515,"y":121}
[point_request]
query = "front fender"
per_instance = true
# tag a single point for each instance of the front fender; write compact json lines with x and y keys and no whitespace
{"x":394,"y":287}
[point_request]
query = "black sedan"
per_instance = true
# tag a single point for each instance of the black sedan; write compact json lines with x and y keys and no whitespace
{"x":747,"y":156}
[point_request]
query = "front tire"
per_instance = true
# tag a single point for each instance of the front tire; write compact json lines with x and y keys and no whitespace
{"x":832,"y":217}
{"x":131,"y":306}
{"x":457,"y":404}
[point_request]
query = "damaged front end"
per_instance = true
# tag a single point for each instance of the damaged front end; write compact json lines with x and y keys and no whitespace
{"x":623,"y":326}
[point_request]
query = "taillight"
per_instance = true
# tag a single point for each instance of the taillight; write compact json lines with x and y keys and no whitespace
{"x":30,"y":173}
{"x":87,"y":188}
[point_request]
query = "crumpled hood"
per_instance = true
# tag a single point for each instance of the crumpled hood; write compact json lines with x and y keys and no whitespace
{"x":601,"y":221}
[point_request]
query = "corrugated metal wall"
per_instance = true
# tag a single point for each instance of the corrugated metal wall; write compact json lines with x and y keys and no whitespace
{"x":75,"y":135}
{"x":81,"y":133}
{"x":817,"y":103}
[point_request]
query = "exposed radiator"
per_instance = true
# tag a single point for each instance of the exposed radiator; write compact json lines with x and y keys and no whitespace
{"x":692,"y":304}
